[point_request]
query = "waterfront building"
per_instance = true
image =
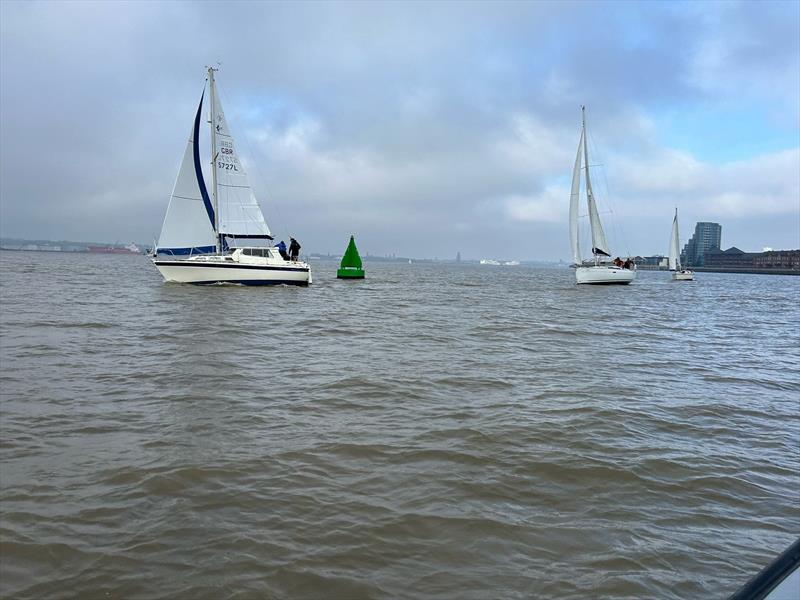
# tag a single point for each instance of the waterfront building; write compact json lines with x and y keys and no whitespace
{"x":707,"y":236}
{"x":733,"y":259}
{"x":785,"y":260}
{"x":651,"y":262}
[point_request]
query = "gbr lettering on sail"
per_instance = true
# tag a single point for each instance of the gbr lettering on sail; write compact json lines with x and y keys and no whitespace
{"x":226,"y":160}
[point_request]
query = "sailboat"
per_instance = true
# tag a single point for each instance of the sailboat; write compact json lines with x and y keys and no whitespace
{"x":595,"y":271}
{"x":678,"y":274}
{"x":221,"y":237}
{"x":351,"y":267}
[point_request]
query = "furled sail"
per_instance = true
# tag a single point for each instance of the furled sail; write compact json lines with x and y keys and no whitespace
{"x":574,"y":200}
{"x":674,"y":247}
{"x":189,"y":223}
{"x":599,"y":243}
{"x":239,"y":213}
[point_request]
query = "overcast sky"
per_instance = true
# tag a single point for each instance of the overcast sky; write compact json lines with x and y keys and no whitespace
{"x":423,"y":128}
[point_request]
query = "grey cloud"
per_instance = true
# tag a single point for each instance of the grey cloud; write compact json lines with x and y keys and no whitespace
{"x":416,"y":108}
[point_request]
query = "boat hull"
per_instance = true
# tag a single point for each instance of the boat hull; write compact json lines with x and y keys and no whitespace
{"x":683,"y":275}
{"x":186,"y":271}
{"x":604,"y":275}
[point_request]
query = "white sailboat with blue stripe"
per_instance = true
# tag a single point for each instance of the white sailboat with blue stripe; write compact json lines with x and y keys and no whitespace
{"x":221,"y":237}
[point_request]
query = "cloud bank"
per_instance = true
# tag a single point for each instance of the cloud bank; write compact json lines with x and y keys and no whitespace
{"x":425,"y":129}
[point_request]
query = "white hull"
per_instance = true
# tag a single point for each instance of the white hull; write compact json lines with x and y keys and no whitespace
{"x":222,"y":270}
{"x":683,"y":275}
{"x":604,"y":275}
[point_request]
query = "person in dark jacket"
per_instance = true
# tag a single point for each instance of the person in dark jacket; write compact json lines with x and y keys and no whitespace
{"x":282,"y":250}
{"x":294,"y":249}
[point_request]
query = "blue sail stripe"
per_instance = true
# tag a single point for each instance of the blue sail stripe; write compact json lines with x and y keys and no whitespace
{"x":198,"y":169}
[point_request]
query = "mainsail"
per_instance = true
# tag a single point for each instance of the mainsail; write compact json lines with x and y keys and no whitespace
{"x":599,"y":243}
{"x":239,"y":213}
{"x":189,"y":223}
{"x":674,"y":246}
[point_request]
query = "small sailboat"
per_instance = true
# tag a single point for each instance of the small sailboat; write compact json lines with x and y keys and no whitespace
{"x":351,"y":267}
{"x":221,"y":238}
{"x":678,"y":274}
{"x":595,"y":271}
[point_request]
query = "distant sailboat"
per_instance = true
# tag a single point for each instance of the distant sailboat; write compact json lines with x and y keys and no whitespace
{"x":678,"y":274}
{"x":596,"y":272}
{"x":201,"y":239}
{"x":351,"y":267}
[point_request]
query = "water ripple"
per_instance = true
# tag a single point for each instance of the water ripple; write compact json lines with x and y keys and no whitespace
{"x":431,"y":432}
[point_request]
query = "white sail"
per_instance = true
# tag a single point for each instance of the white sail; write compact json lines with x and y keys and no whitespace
{"x":599,"y":243}
{"x":239,"y":212}
{"x":674,"y":246}
{"x":574,"y":201}
{"x":189,"y":223}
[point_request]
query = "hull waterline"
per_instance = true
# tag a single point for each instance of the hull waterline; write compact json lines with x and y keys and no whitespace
{"x":603,"y":275}
{"x":683,"y":276}
{"x":198,"y":273}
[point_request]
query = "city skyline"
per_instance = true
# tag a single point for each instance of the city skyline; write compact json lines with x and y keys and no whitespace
{"x":707,"y":236}
{"x":423,"y":129}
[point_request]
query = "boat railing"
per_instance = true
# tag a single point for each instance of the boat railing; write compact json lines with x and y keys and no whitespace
{"x":771,"y":576}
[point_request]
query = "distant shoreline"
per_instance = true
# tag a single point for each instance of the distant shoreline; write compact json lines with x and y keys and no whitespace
{"x":746,"y":271}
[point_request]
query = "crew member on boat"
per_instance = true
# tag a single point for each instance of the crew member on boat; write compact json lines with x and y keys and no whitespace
{"x":281,"y":246}
{"x":294,"y":249}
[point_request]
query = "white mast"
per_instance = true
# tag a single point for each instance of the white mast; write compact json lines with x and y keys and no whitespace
{"x":213,"y":122}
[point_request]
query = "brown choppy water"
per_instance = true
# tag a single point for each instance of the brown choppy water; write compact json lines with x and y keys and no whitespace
{"x":435,"y":431}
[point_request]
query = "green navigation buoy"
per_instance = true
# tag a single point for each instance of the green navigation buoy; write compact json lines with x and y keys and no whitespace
{"x":351,"y":263}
